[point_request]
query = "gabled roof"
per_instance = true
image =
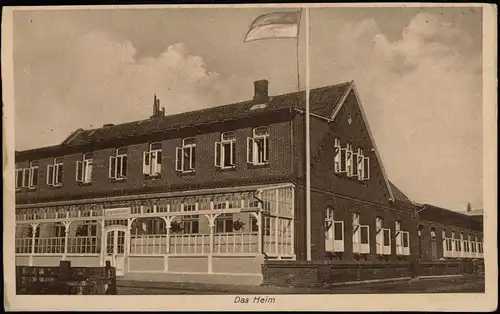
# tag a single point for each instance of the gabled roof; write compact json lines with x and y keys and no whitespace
{"x":352,"y":87}
{"x":449,"y":217}
{"x":322,"y":100}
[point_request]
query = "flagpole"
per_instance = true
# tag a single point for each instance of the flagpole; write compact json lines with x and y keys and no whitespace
{"x":308,"y":144}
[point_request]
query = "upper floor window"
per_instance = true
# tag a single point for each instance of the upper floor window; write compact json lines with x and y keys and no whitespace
{"x":225,"y":151}
{"x":118,"y":164}
{"x":186,"y":155}
{"x":84,"y":168}
{"x":348,"y":160}
{"x":55,"y":172}
{"x":258,"y":147}
{"x":358,"y":164}
{"x":151,"y":162}
{"x":27,"y":177}
{"x":336,"y":156}
{"x":224,"y":223}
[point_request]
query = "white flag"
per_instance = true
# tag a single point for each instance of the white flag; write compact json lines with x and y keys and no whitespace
{"x":274,"y":25}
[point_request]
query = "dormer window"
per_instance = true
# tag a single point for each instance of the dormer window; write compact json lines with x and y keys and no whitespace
{"x":258,"y":147}
{"x":118,"y":164}
{"x":186,"y":155}
{"x":151,"y":162}
{"x":225,"y":151}
{"x":84,"y":168}
{"x":55,"y":172}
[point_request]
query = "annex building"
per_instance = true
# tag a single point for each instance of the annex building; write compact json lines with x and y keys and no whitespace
{"x":209,"y":195}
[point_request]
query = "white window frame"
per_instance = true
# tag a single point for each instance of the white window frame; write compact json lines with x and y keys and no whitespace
{"x":258,"y":155}
{"x":152,"y":160}
{"x":358,"y":164}
{"x":399,"y":237}
{"x":57,"y":168}
{"x":26,"y":176}
{"x":349,"y":160}
{"x":453,"y":244}
{"x":227,"y":141}
{"x":366,"y":169}
{"x":332,"y":244}
{"x":84,"y":168}
{"x":19,"y":178}
{"x":336,"y":155}
{"x":118,"y":164}
{"x":406,"y":249}
{"x":190,"y":150}
{"x":379,"y":238}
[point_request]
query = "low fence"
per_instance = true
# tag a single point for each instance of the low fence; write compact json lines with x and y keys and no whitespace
{"x":65,"y":279}
{"x":320,"y":273}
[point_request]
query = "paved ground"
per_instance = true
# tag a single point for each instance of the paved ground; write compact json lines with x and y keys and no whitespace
{"x":434,"y":285}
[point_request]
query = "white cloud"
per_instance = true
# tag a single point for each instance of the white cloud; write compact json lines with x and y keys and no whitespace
{"x":101,"y":80}
{"x":427,"y":86}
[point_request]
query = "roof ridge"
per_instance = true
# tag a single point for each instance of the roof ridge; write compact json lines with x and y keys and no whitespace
{"x":225,"y":105}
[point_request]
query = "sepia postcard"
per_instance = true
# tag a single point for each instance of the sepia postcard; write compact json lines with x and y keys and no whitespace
{"x":324,"y":157}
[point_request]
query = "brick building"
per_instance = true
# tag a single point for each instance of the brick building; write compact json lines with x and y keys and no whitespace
{"x":208,"y":195}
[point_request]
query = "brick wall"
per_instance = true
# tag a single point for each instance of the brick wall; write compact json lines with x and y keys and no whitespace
{"x":279,"y":168}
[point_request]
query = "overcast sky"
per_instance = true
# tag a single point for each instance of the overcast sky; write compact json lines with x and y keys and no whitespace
{"x":418,"y":72}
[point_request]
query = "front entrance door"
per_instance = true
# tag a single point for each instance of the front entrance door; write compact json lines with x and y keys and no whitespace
{"x":115,"y":249}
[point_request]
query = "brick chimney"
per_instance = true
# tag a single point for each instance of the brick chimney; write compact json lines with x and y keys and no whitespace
{"x":261,"y":91}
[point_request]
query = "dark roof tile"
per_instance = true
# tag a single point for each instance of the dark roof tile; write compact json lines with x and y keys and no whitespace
{"x":323,"y":102}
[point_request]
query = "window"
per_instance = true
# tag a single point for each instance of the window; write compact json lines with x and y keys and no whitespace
{"x":348,"y":160}
{"x":453,"y":244}
{"x":186,"y":155}
{"x":253,"y":224}
{"x":366,"y":168}
{"x":361,"y":236}
{"x":190,"y":223}
{"x":151,"y":162}
{"x":225,"y":151}
{"x":402,"y":240}
{"x":224,"y":223}
{"x":406,"y":242}
{"x":118,"y":164}
{"x":27,"y":177}
{"x":258,"y":147}
{"x":336,"y":155}
{"x":55,"y":172}
{"x":84,"y":168}
{"x":383,"y":238}
{"x":334,"y":232}
{"x":358,"y":164}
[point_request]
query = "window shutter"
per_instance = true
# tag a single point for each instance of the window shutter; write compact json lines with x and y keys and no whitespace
{"x":59,"y":174}
{"x":343,"y":154}
{"x":218,"y":154}
{"x":366,"y":168}
{"x":123,"y":169}
{"x":88,"y":170}
{"x":178,"y":161}
{"x":359,"y":166}
{"x":233,"y":153}
{"x":349,"y":163}
{"x":192,"y":164}
{"x":250,"y":149}
{"x":19,"y":178}
{"x":354,"y":165}
{"x":112,"y":167}
{"x":266,"y":149}
{"x":336,"y":159}
{"x":26,"y":178}
{"x":79,"y":171}
{"x":158,"y":162}
{"x":50,"y":175}
{"x":146,"y":163}
{"x":34,"y":177}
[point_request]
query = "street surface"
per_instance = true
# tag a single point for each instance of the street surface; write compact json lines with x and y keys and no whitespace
{"x":434,"y":285}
